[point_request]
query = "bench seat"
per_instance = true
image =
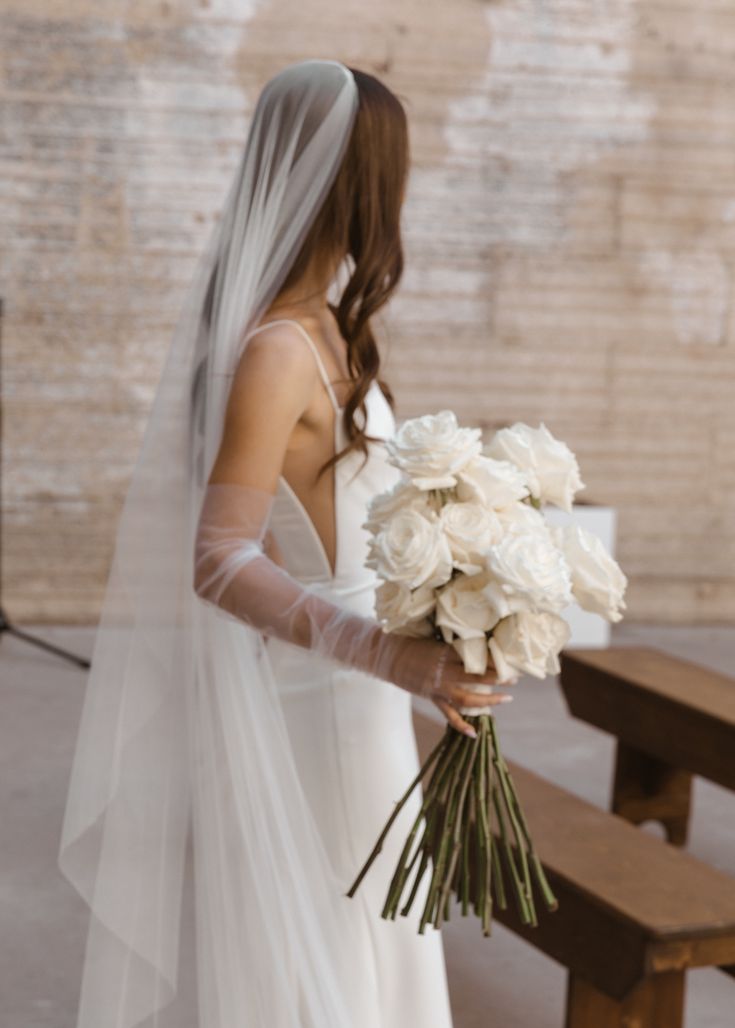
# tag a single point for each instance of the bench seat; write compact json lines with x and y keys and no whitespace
{"x":671,"y":719}
{"x":634,"y":912}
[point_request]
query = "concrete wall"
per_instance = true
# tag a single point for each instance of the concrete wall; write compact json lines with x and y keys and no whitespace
{"x":570,"y":236}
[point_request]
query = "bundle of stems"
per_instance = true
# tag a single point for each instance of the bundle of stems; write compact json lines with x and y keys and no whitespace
{"x":474,"y":836}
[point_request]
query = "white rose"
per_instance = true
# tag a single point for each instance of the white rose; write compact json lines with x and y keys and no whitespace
{"x":529,"y":641}
{"x":432,"y":448}
{"x":411,"y":549}
{"x":531,"y":570}
{"x":474,"y":654}
{"x":549,"y":465}
{"x":522,"y":516}
{"x":396,"y":605}
{"x":463,"y":610}
{"x":404,"y":495}
{"x":495,"y":483}
{"x":598,"y":583}
{"x":499,"y":598}
{"x":470,"y":529}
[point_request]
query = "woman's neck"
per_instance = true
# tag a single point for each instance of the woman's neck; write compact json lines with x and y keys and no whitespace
{"x":308,"y":296}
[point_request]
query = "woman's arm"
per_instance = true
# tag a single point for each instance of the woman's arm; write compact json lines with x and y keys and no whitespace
{"x":271,"y":389}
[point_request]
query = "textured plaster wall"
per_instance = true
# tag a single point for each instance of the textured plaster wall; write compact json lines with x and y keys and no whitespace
{"x":569,"y":230}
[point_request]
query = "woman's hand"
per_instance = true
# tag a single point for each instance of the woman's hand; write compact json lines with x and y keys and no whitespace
{"x":459,"y":680}
{"x":427,"y":667}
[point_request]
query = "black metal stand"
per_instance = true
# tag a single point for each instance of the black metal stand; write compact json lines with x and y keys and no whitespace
{"x":6,"y":625}
{"x":33,"y":640}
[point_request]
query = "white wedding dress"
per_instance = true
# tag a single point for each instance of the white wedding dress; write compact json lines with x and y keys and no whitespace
{"x":353,"y":738}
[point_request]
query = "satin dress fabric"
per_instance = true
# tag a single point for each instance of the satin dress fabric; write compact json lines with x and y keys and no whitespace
{"x":353,"y":738}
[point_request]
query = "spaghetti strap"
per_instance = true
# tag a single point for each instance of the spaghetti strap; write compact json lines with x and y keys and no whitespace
{"x":312,"y":344}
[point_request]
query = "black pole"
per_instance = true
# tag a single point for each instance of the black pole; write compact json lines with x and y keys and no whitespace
{"x":6,"y":625}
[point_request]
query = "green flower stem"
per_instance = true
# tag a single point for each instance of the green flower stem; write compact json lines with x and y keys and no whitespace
{"x":417,"y":881}
{"x":497,"y":872}
{"x":425,"y":856}
{"x":549,"y":898}
{"x":519,"y":892}
{"x":510,"y":799}
{"x":465,"y":876}
{"x":484,"y":894}
{"x":432,"y":909}
{"x":492,"y":867}
{"x":443,"y":843}
{"x":477,"y":853}
{"x":433,"y":809}
{"x":399,"y":806}
{"x":472,"y":749}
{"x":403,"y":868}
{"x":469,"y":833}
{"x":536,"y":866}
{"x":420,"y":848}
{"x":442,"y":768}
{"x":522,"y":877}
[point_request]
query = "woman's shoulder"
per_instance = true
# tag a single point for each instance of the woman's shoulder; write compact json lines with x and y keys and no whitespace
{"x":276,"y":360}
{"x":280,"y":343}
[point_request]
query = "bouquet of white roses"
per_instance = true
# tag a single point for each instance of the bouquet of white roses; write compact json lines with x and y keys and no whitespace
{"x":465,"y":554}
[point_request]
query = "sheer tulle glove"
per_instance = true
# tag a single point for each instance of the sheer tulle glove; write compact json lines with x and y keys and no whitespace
{"x":233,"y":571}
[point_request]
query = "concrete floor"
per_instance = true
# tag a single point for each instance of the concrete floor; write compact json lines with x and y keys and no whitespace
{"x":494,"y":982}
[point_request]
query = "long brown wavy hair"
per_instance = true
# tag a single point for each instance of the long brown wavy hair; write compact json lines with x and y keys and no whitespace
{"x":360,"y":218}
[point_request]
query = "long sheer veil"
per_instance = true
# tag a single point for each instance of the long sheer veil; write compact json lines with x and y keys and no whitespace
{"x":186,"y":830}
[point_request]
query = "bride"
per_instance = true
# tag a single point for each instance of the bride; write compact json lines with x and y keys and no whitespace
{"x":247,"y":723}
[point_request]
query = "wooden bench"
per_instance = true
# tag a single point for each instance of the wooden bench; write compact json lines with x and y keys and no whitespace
{"x":671,"y":719}
{"x":634,"y":912}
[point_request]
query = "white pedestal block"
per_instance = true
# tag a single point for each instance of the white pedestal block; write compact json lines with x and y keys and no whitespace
{"x":588,"y":630}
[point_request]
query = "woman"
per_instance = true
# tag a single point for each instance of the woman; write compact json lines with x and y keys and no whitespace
{"x":243,"y":736}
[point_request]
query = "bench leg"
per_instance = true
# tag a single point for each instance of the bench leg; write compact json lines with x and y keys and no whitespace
{"x":647,"y":789}
{"x":657,"y":1002}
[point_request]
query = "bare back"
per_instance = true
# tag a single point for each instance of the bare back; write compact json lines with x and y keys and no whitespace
{"x":300,"y":433}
